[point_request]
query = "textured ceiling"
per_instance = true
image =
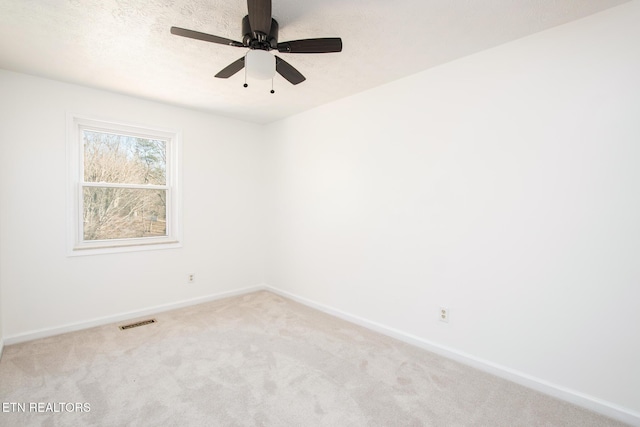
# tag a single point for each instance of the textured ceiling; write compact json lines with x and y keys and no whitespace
{"x":125,"y":45}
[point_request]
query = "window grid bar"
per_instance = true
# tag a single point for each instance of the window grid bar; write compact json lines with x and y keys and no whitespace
{"x":117,"y":185}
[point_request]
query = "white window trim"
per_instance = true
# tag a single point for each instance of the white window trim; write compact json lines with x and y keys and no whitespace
{"x":76,"y":246}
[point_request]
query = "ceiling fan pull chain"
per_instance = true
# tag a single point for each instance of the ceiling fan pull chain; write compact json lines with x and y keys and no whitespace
{"x":272,"y":91}
{"x":245,"y":77}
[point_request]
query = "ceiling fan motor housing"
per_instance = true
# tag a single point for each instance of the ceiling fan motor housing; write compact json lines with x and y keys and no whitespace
{"x":258,"y":40}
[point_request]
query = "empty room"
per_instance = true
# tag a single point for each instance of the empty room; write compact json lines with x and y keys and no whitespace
{"x":338,"y":213}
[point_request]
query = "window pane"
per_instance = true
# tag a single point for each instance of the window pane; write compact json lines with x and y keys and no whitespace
{"x":123,"y":159}
{"x":119,"y":213}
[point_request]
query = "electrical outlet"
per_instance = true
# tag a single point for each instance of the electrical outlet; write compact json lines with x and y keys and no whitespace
{"x":191,"y":277}
{"x":444,"y":314}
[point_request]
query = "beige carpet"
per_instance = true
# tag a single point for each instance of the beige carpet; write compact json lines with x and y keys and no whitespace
{"x":258,"y":360}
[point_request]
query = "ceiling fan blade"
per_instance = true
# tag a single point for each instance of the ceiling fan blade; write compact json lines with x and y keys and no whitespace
{"x":326,"y":45}
{"x":204,"y":37}
{"x":231,"y":69}
{"x":260,"y":15}
{"x":287,"y":71}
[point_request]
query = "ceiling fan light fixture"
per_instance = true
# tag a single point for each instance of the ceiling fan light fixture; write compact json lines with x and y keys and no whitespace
{"x":260,"y":64}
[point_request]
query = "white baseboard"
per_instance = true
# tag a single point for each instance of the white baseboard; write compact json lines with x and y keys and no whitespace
{"x":48,"y":332}
{"x":588,"y":402}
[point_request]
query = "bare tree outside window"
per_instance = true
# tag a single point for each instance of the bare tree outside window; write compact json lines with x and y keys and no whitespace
{"x":124,"y":193}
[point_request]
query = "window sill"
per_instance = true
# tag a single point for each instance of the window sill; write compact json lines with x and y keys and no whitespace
{"x":115,"y":248}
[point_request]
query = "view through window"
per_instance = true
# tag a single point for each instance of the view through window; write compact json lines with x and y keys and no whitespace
{"x":124,"y":189}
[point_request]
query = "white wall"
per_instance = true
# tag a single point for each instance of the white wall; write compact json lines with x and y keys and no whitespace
{"x":1,"y":321}
{"x":505,"y":186}
{"x":42,"y":288}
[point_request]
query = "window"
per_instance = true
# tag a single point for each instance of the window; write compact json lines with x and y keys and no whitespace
{"x":123,"y":187}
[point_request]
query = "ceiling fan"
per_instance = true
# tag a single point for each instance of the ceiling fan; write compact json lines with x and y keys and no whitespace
{"x":260,"y":35}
